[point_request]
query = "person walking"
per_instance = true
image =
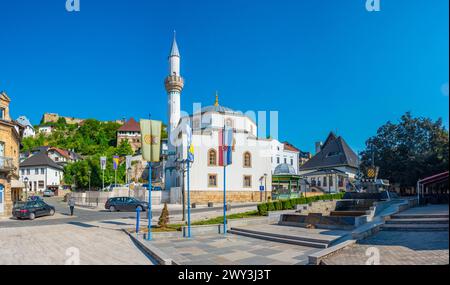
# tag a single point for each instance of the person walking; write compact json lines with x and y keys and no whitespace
{"x":71,"y":205}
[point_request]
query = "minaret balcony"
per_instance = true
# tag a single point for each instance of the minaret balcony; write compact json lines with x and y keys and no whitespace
{"x":174,"y":83}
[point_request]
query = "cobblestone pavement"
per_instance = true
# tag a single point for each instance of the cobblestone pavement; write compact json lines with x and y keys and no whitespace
{"x":233,"y":250}
{"x":61,"y":244}
{"x":397,"y":248}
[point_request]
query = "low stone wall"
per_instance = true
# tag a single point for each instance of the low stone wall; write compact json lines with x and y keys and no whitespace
{"x":96,"y":198}
{"x":203,"y":197}
{"x":323,"y":207}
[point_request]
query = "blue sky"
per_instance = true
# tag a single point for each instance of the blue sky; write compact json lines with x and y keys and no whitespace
{"x":323,"y":65}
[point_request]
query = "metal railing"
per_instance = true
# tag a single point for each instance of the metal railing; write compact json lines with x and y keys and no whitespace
{"x":6,"y":163}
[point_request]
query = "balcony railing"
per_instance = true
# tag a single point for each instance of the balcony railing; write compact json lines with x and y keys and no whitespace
{"x":6,"y":164}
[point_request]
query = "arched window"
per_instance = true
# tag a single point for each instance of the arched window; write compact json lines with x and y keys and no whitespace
{"x":229,"y":123}
{"x":212,"y":157}
{"x":247,"y":159}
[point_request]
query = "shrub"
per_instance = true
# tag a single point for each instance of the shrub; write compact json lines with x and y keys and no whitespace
{"x":262,"y":209}
{"x":287,"y":205}
{"x":164,"y":218}
{"x":271,"y":206}
{"x":278,"y":205}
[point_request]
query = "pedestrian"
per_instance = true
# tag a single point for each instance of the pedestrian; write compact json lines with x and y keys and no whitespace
{"x":71,"y":205}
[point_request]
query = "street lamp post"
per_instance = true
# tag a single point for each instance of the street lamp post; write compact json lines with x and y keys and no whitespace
{"x":265,"y":186}
{"x":25,"y":180}
{"x":89,"y":172}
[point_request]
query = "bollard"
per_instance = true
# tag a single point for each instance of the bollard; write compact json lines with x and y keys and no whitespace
{"x":138,"y":218}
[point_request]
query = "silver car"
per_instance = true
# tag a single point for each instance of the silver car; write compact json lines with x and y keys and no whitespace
{"x":48,"y":193}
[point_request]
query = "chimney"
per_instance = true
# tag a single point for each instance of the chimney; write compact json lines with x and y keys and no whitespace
{"x":318,"y":147}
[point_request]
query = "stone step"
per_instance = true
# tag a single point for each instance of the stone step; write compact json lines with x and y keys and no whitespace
{"x":415,"y":227}
{"x":277,"y":239}
{"x":298,"y":236}
{"x":420,"y":216}
{"x":419,"y":221}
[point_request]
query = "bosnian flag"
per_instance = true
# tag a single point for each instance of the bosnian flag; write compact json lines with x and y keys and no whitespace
{"x":225,"y":146}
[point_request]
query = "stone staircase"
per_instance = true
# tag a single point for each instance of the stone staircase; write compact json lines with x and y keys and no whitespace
{"x":417,"y":222}
{"x":288,"y":235}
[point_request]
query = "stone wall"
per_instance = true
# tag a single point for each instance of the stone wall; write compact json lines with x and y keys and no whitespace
{"x":203,"y":197}
{"x":323,"y":207}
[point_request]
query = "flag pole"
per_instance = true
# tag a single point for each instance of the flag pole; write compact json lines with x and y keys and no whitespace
{"x":189,"y":197}
{"x":224,"y":184}
{"x":149,"y":210}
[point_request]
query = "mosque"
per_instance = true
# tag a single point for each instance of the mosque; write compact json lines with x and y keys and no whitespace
{"x":248,"y":178}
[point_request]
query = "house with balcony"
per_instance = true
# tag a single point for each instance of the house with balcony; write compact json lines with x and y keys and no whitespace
{"x":10,"y":136}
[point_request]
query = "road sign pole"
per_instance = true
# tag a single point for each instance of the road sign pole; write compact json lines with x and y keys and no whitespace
{"x":189,"y":198}
{"x":138,"y":219}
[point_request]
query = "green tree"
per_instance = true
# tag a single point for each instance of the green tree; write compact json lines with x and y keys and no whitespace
{"x":409,"y":150}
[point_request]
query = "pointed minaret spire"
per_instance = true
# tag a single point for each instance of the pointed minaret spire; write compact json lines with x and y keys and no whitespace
{"x":174,"y":58}
{"x":174,"y":51}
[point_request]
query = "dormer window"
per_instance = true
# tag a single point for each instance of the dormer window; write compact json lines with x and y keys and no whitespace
{"x":333,"y":153}
{"x":2,"y":113}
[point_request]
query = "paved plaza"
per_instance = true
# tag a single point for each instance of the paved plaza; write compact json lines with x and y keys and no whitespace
{"x":397,"y":248}
{"x":400,"y":247}
{"x":232,"y":250}
{"x":101,"y":244}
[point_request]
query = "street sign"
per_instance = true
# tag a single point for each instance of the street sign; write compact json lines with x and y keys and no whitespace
{"x":115,"y":162}
{"x":261,"y":188}
{"x":103,"y":162}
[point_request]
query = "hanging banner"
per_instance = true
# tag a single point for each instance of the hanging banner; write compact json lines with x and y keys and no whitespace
{"x":225,"y":146}
{"x":151,"y":140}
{"x":128,"y":161}
{"x":103,"y":163}
{"x":115,"y":162}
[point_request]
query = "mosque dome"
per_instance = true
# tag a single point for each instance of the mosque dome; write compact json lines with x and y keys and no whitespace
{"x":284,"y":169}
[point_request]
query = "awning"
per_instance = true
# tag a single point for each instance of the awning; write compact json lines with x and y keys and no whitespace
{"x":435,"y":178}
{"x":17,"y":184}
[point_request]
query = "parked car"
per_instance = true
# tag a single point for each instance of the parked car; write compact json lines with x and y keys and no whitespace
{"x":125,"y":204}
{"x":48,"y":193}
{"x":35,"y":198}
{"x":32,"y":209}
{"x":154,"y":188}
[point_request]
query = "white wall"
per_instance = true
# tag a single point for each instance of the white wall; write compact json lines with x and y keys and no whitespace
{"x":50,"y":177}
{"x":200,"y":169}
{"x":277,"y":151}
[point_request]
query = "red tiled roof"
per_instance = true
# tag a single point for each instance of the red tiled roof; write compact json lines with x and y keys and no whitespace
{"x":62,"y":152}
{"x":288,"y":146}
{"x":130,"y":126}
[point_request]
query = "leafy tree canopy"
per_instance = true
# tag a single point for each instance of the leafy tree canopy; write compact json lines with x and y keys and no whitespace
{"x":409,"y":150}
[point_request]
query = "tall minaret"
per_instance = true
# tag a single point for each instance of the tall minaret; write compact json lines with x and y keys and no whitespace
{"x":174,"y":85}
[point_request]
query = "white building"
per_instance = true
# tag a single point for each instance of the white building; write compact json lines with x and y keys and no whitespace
{"x":333,"y":168}
{"x":46,"y":130}
{"x":251,"y":167}
{"x":28,"y":127}
{"x":41,"y":172}
{"x":284,"y":153}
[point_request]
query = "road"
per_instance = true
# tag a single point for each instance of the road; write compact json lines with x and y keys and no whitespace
{"x":81,"y":215}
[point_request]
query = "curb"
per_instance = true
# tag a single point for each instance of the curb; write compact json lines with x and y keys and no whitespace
{"x":316,"y":258}
{"x":154,"y":252}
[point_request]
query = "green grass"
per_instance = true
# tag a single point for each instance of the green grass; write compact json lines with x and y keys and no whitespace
{"x":219,"y":220}
{"x":213,"y":221}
